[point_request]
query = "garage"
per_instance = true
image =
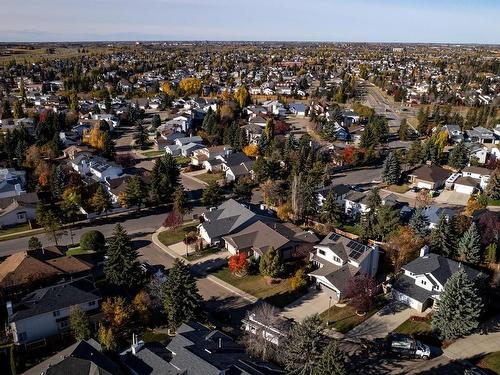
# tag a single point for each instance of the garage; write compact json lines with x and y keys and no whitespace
{"x":466,"y":185}
{"x":464,"y":189}
{"x":401,"y":297}
{"x":425,"y":185}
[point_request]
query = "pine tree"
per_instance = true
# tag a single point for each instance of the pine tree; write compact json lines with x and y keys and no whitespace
{"x":404,"y":129}
{"x":331,"y":361}
{"x":121,"y":267}
{"x":419,"y":222}
{"x":34,"y":243}
{"x":493,"y":188}
{"x":387,"y":221}
{"x":156,"y":121}
{"x":109,"y":150}
{"x":180,"y":201}
{"x":180,"y":295}
{"x":79,"y":323}
{"x":459,"y":307}
{"x":271,"y":263}
{"x":331,"y":211}
{"x":304,"y":347}
{"x":164,"y":179}
{"x":135,"y":194}
{"x":141,"y":137}
{"x":441,"y":240}
{"x":459,"y":156}
{"x":58,"y":181}
{"x":212,"y":195}
{"x":391,"y":170}
{"x":491,"y":253}
{"x":469,"y":246}
{"x":100,"y":201}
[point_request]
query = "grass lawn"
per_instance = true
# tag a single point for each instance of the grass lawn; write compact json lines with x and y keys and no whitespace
{"x":14,"y":229}
{"x":491,"y":362}
{"x":209,"y":177}
{"x":153,"y":153}
{"x":492,"y":202}
{"x":279,"y":295}
{"x":197,"y":255}
{"x":351,"y":229}
{"x":181,"y":160}
{"x":149,"y":336}
{"x":171,"y":236}
{"x":345,"y":318}
{"x":78,"y":251}
{"x":411,"y":327}
{"x":399,"y":188}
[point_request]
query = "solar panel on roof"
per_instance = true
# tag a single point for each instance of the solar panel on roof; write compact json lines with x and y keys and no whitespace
{"x":351,"y":244}
{"x":334,"y":237}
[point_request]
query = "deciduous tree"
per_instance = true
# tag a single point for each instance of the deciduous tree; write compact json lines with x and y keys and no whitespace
{"x":79,"y":323}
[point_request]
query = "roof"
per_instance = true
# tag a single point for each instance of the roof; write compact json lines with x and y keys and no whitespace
{"x":344,"y":247}
{"x":257,"y":236}
{"x":478,"y":170}
{"x":406,"y":285}
{"x":430,"y":173}
{"x":151,"y":359}
{"x":338,"y":276}
{"x":23,"y":199}
{"x":339,"y":189}
{"x":467,"y":181}
{"x":432,"y":213}
{"x":236,"y":159}
{"x":356,"y":196}
{"x":81,"y":358}
{"x":55,"y":297}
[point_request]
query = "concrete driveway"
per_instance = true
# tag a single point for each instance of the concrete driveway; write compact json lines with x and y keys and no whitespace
{"x":452,"y":197}
{"x":382,"y":322}
{"x":314,"y":302}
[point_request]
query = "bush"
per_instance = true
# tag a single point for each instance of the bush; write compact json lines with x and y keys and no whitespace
{"x":93,"y":240}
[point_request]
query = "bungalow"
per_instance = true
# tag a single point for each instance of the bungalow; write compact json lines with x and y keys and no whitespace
{"x":256,"y":239}
{"x":207,"y":156}
{"x":272,"y":328}
{"x":422,"y":280}
{"x":298,"y":109}
{"x":18,"y":209}
{"x":429,"y":176}
{"x":45,"y":312}
{"x":100,"y":168}
{"x":185,"y":146}
{"x":339,"y":259}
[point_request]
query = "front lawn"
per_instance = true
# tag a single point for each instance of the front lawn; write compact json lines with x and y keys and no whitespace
{"x":280,"y":294}
{"x":413,"y":327}
{"x":14,"y":229}
{"x":210,"y":177}
{"x":182,"y":160}
{"x":194,"y":255}
{"x":493,"y":202}
{"x":491,"y":362}
{"x":153,"y":153}
{"x":345,"y":318}
{"x":401,"y":189}
{"x":351,"y":229}
{"x":78,"y":251}
{"x":171,"y":236}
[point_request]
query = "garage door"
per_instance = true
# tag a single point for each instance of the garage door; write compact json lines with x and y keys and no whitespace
{"x":424,"y":185}
{"x":413,"y":303}
{"x":464,"y":189}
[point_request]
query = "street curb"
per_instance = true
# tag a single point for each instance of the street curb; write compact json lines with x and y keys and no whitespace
{"x":233,"y":289}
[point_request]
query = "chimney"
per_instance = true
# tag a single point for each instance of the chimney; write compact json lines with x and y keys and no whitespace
{"x":10,"y":311}
{"x":424,"y":251}
{"x":428,"y":162}
{"x":136,"y":345}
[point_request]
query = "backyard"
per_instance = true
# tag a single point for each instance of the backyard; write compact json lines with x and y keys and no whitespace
{"x":171,"y":236}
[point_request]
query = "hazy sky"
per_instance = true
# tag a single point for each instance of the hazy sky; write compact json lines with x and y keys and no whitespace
{"x":456,"y":21}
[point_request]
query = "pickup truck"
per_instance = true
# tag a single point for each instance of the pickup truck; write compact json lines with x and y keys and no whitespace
{"x":406,"y":345}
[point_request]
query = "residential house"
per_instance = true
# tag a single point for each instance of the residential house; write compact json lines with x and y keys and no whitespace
{"x":273,"y":329}
{"x":253,"y":132}
{"x":480,"y":134}
{"x":340,"y":192}
{"x":205,"y":154}
{"x":422,"y":280}
{"x":18,"y":209}
{"x":433,"y":213}
{"x":97,"y":167}
{"x":185,"y":146}
{"x":230,"y":217}
{"x":356,"y":204}
{"x":455,"y":134}
{"x":478,"y":173}
{"x":298,"y":109}
{"x":83,"y":357}
{"x":477,"y":150}
{"x":11,"y":182}
{"x":339,"y":259}
{"x":429,"y":176}
{"x":256,"y":239}
{"x":45,"y":312}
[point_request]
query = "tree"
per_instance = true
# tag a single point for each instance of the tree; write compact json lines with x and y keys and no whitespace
{"x":18,"y":111}
{"x":391,"y":170}
{"x":469,"y":246}
{"x":140,"y":307}
{"x":164,"y":179}
{"x":212,"y":195}
{"x":141,"y":136}
{"x":156,"y":121}
{"x":108,"y":146}
{"x":473,"y":204}
{"x":403,"y":246}
{"x":493,"y":188}
{"x":173,"y":220}
{"x":387,"y":221}
{"x":101,"y":201}
{"x":190,"y":85}
{"x":331,"y":361}
{"x":304,"y":346}
{"x":299,"y":280}
{"x":79,"y":323}
{"x":58,"y":181}
{"x":441,"y":240}
{"x":34,"y":243}
{"x":361,"y":290}
{"x":49,"y":220}
{"x":252,"y":150}
{"x":107,"y":338}
{"x":404,"y":130}
{"x":242,"y":96}
{"x":459,"y":307}
{"x":331,"y":211}
{"x":459,"y":156}
{"x":271,"y":264}
{"x":242,"y":189}
{"x":180,"y":295}
{"x":121,"y":267}
{"x":419,"y":222}
{"x":135,"y":193}
{"x":423,"y":199}
{"x":238,"y":264}
{"x":117,"y":315}
{"x":93,"y":240}
{"x":180,"y":201}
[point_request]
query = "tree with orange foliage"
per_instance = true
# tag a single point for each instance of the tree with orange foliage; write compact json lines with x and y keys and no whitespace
{"x":190,"y":85}
{"x":42,"y":170}
{"x":251,"y":150}
{"x":238,"y":264}
{"x":141,"y":303}
{"x":403,"y":246}
{"x":117,"y":314}
{"x":284,"y":211}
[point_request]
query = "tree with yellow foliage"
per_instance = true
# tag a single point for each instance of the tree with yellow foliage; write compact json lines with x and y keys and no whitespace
{"x":190,"y":86}
{"x":42,"y":170}
{"x":141,"y":303}
{"x":242,"y":96}
{"x":284,"y":211}
{"x":95,"y":138}
{"x":251,"y":150}
{"x":106,"y":338}
{"x":117,"y":313}
{"x":166,"y":88}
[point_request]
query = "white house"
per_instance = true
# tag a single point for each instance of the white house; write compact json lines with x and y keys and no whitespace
{"x":340,"y":191}
{"x":11,"y":182}
{"x":479,"y":173}
{"x":356,"y":204}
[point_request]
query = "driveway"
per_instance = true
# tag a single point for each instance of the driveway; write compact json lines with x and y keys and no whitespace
{"x":314,"y":302}
{"x":452,"y":197}
{"x":382,"y":322}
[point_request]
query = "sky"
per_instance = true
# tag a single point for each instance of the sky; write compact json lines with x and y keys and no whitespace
{"x":425,"y":21}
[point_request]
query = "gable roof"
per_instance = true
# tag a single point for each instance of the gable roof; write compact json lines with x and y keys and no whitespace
{"x":430,"y":173}
{"x":228,"y":217}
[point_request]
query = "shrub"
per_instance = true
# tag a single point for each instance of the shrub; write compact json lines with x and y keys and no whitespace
{"x":299,"y":280}
{"x":93,"y":240}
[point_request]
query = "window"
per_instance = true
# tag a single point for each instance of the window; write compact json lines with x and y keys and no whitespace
{"x":336,"y":259}
{"x":63,"y":324}
{"x":322,"y":252}
{"x":56,"y":313}
{"x":92,"y":303}
{"x":21,"y":215}
{"x":424,"y":282}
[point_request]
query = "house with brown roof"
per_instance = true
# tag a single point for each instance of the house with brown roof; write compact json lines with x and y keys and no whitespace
{"x":429,"y":176}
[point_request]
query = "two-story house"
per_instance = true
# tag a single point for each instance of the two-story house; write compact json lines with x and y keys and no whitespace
{"x":45,"y":312}
{"x":184,"y":146}
{"x":339,"y":190}
{"x":339,"y":259}
{"x":423,"y":279}
{"x":97,"y":167}
{"x":11,"y":182}
{"x":207,"y":156}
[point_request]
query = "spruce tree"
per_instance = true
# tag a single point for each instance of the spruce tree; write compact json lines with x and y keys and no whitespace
{"x":331,"y":211}
{"x":304,"y":347}
{"x":79,"y":323}
{"x":101,"y":201}
{"x":441,"y":240}
{"x":180,"y":295}
{"x":331,"y":361}
{"x":492,"y":190}
{"x":469,"y":246}
{"x":391,"y":170}
{"x":212,"y":196}
{"x":419,"y":222}
{"x":109,"y":150}
{"x":459,"y":307}
{"x":141,"y":137}
{"x":387,"y":221}
{"x":271,"y":263}
{"x":121,"y":267}
{"x":135,"y":193}
{"x":459,"y":156}
{"x":164,"y":179}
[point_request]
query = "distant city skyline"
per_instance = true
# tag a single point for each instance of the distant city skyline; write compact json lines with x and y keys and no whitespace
{"x":422,"y":21}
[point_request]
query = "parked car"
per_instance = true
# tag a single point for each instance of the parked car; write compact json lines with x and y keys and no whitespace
{"x":415,"y":189}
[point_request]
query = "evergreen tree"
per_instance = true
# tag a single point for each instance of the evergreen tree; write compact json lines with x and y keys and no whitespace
{"x":414,"y":155}
{"x":156,"y":121}
{"x":304,"y":347}
{"x":135,"y":193}
{"x":388,"y":221}
{"x":404,"y":130}
{"x":459,"y":156}
{"x":242,"y":189}
{"x":79,"y":323}
{"x":469,"y":246}
{"x":331,"y":361}
{"x":308,"y":198}
{"x":58,"y":181}
{"x":391,"y":170}
{"x":34,"y":243}
{"x":492,"y":190}
{"x":271,"y":263}
{"x":101,"y":201}
{"x":212,"y":195}
{"x":49,"y":219}
{"x":141,"y":136}
{"x":331,"y":211}
{"x":441,"y":240}
{"x":459,"y":307}
{"x":121,"y":267}
{"x":419,"y":222}
{"x":180,"y":295}
{"x":109,"y":150}
{"x":164,"y":179}
{"x":491,"y":253}
{"x":180,"y":203}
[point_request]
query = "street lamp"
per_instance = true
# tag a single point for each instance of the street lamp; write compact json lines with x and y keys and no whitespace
{"x":329,"y":307}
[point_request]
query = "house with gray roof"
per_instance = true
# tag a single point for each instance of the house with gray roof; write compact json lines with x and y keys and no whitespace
{"x":480,"y":134}
{"x":340,"y":191}
{"x":18,"y":209}
{"x":11,"y":182}
{"x":423,"y":279}
{"x":338,"y":259}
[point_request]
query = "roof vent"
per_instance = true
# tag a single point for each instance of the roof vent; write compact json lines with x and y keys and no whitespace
{"x":424,"y":251}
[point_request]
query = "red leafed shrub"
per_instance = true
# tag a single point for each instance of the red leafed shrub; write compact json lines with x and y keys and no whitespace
{"x":238,"y":264}
{"x":173,"y":220}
